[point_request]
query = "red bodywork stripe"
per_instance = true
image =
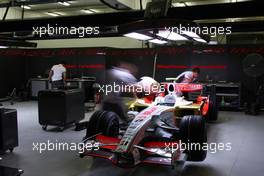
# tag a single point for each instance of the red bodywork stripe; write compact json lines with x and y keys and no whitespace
{"x":99,"y":156}
{"x":149,"y":98}
{"x":158,"y":144}
{"x":186,"y":87}
{"x":108,"y":140}
{"x":205,"y":107}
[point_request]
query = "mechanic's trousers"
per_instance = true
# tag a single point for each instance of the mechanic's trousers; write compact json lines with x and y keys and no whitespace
{"x":57,"y":84}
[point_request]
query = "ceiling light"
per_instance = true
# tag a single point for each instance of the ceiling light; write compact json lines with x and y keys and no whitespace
{"x":94,"y":10}
{"x":190,"y":34}
{"x":59,"y":13}
{"x":53,"y":14}
{"x":171,"y":35}
{"x":87,"y":11}
{"x":3,"y":47}
{"x":200,"y":40}
{"x":138,"y":36}
{"x":64,"y":3}
{"x":213,"y":43}
{"x":157,"y":41}
{"x":178,"y":4}
{"x":25,"y":7}
{"x":231,"y":20}
{"x":101,"y":53}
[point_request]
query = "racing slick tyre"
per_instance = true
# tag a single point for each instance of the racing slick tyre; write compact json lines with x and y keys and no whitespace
{"x":103,"y":122}
{"x":193,"y":135}
{"x":212,"y":114}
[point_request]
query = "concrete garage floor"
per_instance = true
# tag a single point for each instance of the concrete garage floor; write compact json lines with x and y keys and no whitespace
{"x":244,"y":132}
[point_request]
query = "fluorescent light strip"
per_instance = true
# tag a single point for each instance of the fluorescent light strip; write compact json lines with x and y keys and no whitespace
{"x":64,"y":3}
{"x":171,"y":35}
{"x":200,"y":40}
{"x":178,"y":4}
{"x":87,"y":11}
{"x":25,"y":7}
{"x":213,"y":43}
{"x":94,"y":10}
{"x":157,"y":41}
{"x":3,"y":47}
{"x":53,"y":14}
{"x":138,"y":36}
{"x":190,"y":34}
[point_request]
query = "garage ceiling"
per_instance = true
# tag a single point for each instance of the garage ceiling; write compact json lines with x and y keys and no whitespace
{"x":243,"y":15}
{"x":40,"y":8}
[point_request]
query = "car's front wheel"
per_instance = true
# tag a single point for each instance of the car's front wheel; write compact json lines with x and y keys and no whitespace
{"x":194,"y":136}
{"x":103,"y":122}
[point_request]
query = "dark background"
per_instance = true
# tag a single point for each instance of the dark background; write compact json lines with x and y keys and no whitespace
{"x":12,"y":73}
{"x":219,"y":63}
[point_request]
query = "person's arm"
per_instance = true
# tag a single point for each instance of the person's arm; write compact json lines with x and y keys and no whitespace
{"x":50,"y":74}
{"x":179,"y":76}
{"x":195,"y":80}
{"x":64,"y":76}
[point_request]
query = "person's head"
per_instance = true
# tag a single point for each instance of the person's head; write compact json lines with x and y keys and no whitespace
{"x":196,"y":72}
{"x":129,"y":66}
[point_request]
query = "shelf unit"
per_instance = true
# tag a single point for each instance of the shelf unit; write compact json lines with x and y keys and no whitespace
{"x":228,"y":95}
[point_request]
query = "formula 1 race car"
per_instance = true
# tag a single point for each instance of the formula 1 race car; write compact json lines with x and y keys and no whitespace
{"x":154,"y":136}
{"x":205,"y":106}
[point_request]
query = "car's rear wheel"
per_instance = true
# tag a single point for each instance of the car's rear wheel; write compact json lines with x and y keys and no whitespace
{"x":212,"y":114}
{"x":104,"y":122}
{"x":193,"y":134}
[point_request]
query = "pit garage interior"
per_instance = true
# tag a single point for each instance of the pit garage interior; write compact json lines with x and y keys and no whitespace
{"x":139,"y":33}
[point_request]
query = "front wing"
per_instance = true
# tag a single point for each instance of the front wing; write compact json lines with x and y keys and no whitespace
{"x":151,"y":152}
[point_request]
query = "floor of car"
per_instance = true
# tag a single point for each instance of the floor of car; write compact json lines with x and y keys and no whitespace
{"x":244,"y":132}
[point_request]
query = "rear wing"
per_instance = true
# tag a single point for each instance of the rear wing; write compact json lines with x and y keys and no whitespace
{"x":185,"y":87}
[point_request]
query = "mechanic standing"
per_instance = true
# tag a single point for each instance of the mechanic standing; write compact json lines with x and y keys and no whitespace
{"x":188,"y":76}
{"x":57,"y":76}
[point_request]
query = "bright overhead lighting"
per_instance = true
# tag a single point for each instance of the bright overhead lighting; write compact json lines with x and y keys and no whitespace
{"x":3,"y":47}
{"x":53,"y":14}
{"x":200,"y":40}
{"x":230,"y":20}
{"x":64,"y":3}
{"x":171,"y":35}
{"x":157,"y":41}
{"x":178,"y":4}
{"x":138,"y":36}
{"x":59,"y":13}
{"x":25,"y":7}
{"x":94,"y":10}
{"x":190,"y":34}
{"x":87,"y":11}
{"x":213,"y":43}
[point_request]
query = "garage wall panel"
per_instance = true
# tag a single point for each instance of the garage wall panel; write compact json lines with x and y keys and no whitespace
{"x":79,"y":62}
{"x":12,"y":74}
